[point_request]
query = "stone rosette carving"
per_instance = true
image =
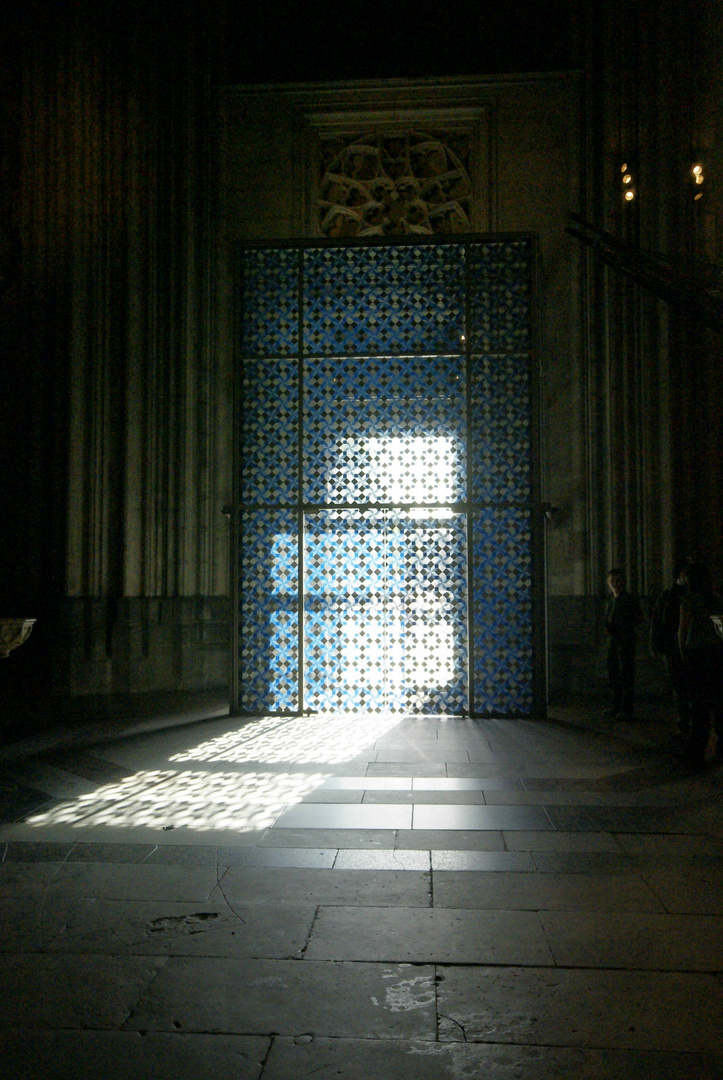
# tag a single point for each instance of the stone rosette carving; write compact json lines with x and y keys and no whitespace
{"x":13,"y":632}
{"x":395,"y":184}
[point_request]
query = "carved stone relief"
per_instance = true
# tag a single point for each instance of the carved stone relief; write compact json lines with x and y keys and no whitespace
{"x":392,"y":183}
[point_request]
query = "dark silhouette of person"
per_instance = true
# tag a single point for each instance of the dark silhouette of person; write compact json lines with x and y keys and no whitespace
{"x":664,"y":623}
{"x":622,"y":618}
{"x":702,"y":653}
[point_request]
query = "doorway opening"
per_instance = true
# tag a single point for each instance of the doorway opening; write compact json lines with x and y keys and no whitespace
{"x":384,"y":527}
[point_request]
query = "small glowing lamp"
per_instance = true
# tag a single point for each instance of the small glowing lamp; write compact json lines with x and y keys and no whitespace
{"x":629,"y":195}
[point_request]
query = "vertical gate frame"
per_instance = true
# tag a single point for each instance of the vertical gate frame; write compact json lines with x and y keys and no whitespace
{"x":301,"y":513}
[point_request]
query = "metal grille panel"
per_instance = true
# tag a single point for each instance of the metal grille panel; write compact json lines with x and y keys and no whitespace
{"x":270,"y":302}
{"x":500,"y":297}
{"x":501,"y":436}
{"x":385,"y":545}
{"x":502,"y":611}
{"x":268,"y":659}
{"x":412,"y":297}
{"x":382,"y":605}
{"x":270,"y":419}
{"x":355,"y":407}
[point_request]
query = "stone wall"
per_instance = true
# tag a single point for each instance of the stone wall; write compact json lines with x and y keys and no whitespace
{"x":578,"y":650}
{"x":139,"y":645}
{"x":116,"y":400}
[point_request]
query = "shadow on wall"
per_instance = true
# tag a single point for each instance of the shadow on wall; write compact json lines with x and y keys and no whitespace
{"x":97,"y":646}
{"x":578,"y":648}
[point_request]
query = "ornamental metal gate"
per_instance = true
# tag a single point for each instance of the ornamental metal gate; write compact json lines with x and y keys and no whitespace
{"x":383,"y":521}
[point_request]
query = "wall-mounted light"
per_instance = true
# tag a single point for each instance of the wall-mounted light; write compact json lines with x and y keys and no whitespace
{"x":698,"y":178}
{"x":627,"y":182}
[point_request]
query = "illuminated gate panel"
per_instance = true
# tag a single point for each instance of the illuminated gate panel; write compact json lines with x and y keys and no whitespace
{"x":375,"y":429}
{"x":270,"y":406}
{"x":385,"y":606}
{"x":502,"y":610}
{"x":269,"y":610}
{"x":384,"y":480}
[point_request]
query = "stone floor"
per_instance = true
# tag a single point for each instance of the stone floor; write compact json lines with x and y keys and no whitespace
{"x":360,"y":897}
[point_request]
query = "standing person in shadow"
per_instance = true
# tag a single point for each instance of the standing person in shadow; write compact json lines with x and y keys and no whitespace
{"x":702,"y":652}
{"x":664,"y":623}
{"x":622,"y":618}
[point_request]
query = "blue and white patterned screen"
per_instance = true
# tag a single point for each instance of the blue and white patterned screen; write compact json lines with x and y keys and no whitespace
{"x":385,"y":479}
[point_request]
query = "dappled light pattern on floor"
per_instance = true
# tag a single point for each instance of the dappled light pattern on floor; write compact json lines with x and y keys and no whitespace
{"x":201,"y":801}
{"x":204,"y":799}
{"x":311,"y":739}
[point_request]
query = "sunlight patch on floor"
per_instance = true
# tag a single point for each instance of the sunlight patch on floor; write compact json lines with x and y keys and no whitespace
{"x":201,"y":801}
{"x":320,"y":740}
{"x":207,"y":799}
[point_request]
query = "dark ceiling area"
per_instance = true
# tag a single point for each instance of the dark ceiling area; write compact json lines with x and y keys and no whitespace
{"x":286,"y":41}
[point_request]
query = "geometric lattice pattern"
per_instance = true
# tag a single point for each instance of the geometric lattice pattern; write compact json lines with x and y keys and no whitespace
{"x":502,"y":609}
{"x":361,"y":412}
{"x":269,"y":571}
{"x":500,"y":296}
{"x":412,"y":297}
{"x":270,"y":408}
{"x":382,"y":605}
{"x":500,"y":438}
{"x":270,"y":302}
{"x":385,"y":479}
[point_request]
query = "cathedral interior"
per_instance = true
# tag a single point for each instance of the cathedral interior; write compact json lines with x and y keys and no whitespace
{"x":343,"y":353}
{"x":144,"y":148}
